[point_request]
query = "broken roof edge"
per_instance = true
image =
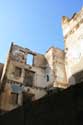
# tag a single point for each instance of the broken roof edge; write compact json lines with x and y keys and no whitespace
{"x":26,"y":50}
{"x":66,"y":19}
{"x":52,"y":47}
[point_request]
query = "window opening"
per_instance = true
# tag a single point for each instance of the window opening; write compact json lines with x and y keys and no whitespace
{"x":47,"y":78}
{"x":18,"y":72}
{"x":29,"y":59}
{"x":14,"y":98}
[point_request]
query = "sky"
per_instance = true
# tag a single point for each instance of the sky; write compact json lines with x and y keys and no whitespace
{"x":34,"y":24}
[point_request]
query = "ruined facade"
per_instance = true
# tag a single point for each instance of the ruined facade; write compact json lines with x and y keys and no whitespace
{"x":20,"y":80}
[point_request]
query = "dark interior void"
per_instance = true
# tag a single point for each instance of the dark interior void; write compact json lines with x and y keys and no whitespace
{"x":29,"y":78}
{"x":27,"y":96}
{"x":14,"y":98}
{"x":78,"y":76}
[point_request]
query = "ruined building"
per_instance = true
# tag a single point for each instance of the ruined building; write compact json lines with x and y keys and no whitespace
{"x":55,"y":69}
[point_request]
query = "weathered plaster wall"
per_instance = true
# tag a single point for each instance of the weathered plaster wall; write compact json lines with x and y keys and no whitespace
{"x":59,"y":68}
{"x":39,"y":60}
{"x":73,"y":36}
{"x":19,"y":75}
{"x":49,"y":68}
{"x":6,"y":103}
{"x":56,"y":67}
{"x":36,"y":93}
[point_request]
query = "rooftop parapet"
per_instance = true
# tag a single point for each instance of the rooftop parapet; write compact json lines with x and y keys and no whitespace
{"x":70,"y":25}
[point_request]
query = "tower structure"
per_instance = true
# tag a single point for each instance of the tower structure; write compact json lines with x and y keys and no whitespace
{"x":73,"y":38}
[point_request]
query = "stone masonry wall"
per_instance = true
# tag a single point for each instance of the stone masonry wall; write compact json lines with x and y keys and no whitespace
{"x":73,"y":38}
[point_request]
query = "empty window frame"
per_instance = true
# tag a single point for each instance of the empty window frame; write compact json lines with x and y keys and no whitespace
{"x":18,"y":72}
{"x":29,"y":78}
{"x":29,"y":59}
{"x":14,"y":98}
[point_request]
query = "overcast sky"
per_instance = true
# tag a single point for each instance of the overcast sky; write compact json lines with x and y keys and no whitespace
{"x":34,"y":24}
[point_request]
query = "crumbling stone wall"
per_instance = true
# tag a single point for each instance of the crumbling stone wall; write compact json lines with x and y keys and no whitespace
{"x":19,"y":77}
{"x":73,"y":38}
{"x":33,"y":80}
{"x":59,"y":68}
{"x":56,"y":67}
